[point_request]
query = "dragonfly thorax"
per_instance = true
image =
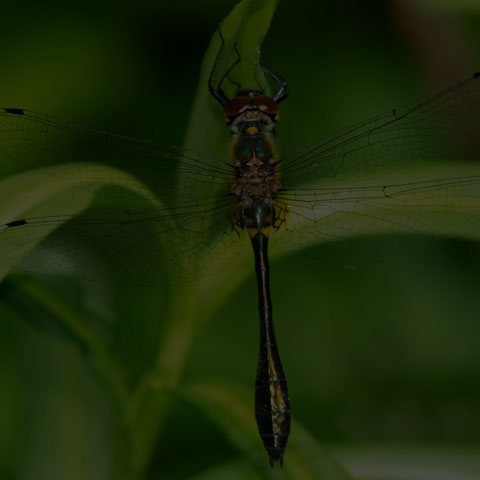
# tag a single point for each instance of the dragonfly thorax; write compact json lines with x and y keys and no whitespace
{"x":256,"y":182}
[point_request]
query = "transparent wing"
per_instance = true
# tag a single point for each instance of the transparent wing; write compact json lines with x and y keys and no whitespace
{"x":142,"y":245}
{"x":396,"y":214}
{"x":154,"y":214}
{"x":332,"y":191}
{"x":444,"y":125}
{"x":408,"y":172}
{"x":35,"y":140}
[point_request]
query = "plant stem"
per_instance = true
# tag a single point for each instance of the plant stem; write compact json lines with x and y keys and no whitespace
{"x":80,"y":330}
{"x":151,"y":401}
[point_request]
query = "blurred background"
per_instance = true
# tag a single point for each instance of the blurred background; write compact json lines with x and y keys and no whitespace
{"x":383,"y":361}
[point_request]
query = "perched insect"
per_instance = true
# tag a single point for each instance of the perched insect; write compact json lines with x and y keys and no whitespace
{"x":159,"y":214}
{"x":252,"y":116}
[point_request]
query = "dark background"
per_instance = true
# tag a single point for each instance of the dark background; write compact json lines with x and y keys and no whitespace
{"x":383,"y":361}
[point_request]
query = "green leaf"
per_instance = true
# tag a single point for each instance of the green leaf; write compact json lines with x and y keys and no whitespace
{"x":403,"y":462}
{"x":44,"y":304}
{"x":194,"y":304}
{"x":36,"y":192}
{"x":30,"y":194}
{"x":228,"y":471}
{"x":247,"y":24}
{"x":443,"y":201}
{"x":231,"y":408}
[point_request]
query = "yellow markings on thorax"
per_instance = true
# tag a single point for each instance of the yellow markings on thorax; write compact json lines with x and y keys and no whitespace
{"x":253,"y":232}
{"x":254,"y":160}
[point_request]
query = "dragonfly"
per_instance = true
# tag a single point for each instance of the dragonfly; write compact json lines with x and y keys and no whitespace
{"x":155,"y":214}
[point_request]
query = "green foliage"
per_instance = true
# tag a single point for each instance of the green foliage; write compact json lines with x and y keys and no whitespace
{"x":351,"y":360}
{"x":142,"y":394}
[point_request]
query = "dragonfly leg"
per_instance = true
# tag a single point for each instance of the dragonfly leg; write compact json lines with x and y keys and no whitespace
{"x":282,"y":92}
{"x":217,"y":91}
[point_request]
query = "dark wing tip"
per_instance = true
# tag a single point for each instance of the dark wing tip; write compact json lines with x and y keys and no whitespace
{"x":16,"y":223}
{"x":16,"y":111}
{"x":476,"y":75}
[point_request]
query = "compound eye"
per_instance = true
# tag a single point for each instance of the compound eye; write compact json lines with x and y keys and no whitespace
{"x":266,"y":104}
{"x":236,"y":106}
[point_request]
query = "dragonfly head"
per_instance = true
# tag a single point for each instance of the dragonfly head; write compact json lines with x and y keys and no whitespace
{"x":250,"y":113}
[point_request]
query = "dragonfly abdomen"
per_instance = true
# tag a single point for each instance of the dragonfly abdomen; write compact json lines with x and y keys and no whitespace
{"x":272,"y":404}
{"x":256,"y":186}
